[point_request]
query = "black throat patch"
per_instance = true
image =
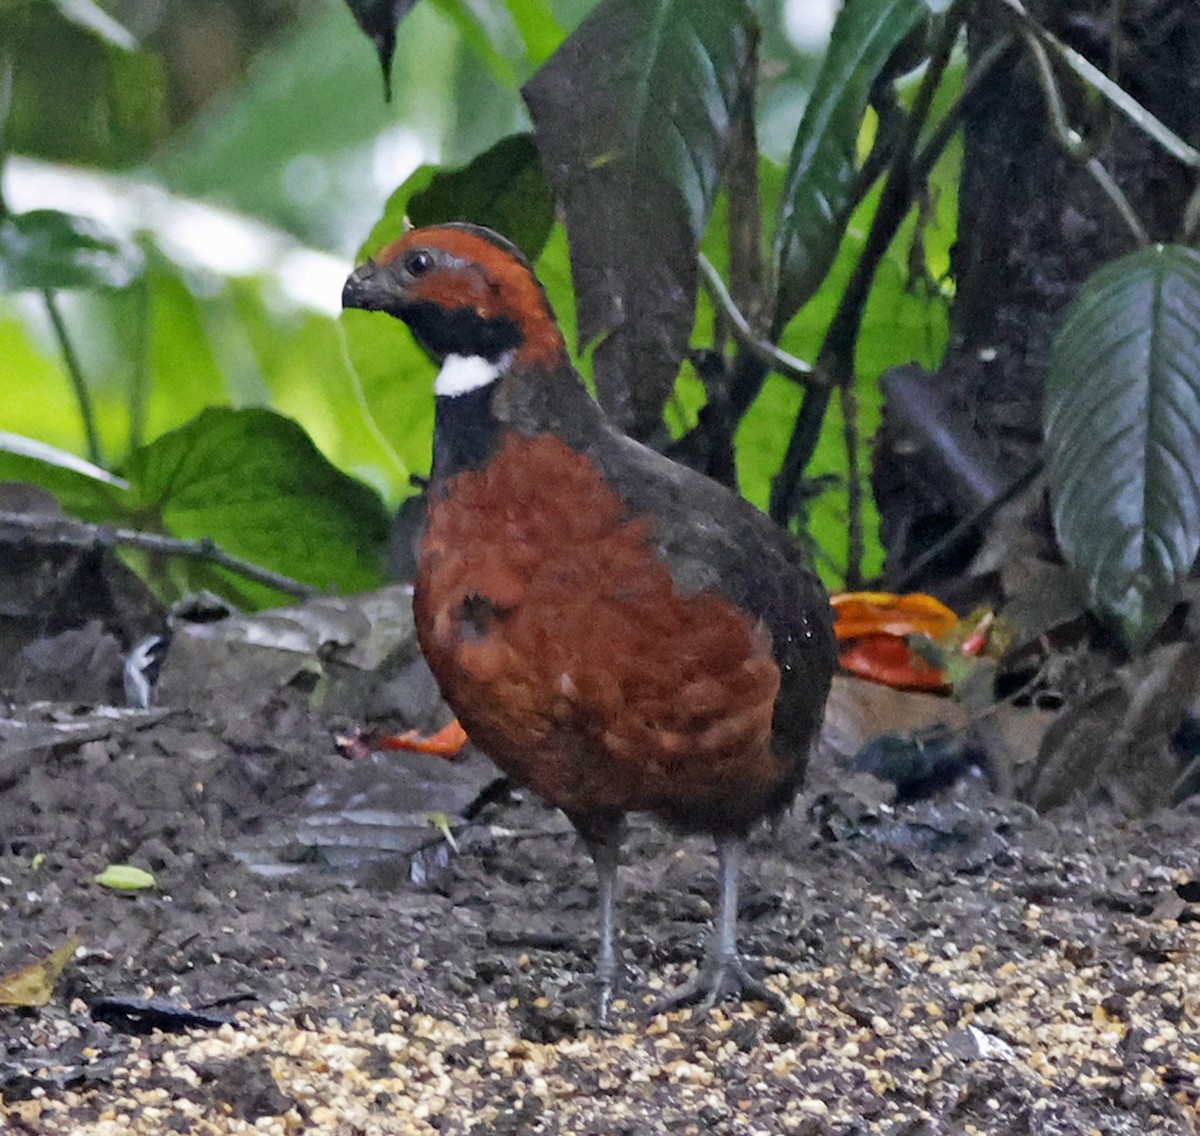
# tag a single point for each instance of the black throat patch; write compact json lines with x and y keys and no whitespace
{"x":460,"y":331}
{"x":465,"y":431}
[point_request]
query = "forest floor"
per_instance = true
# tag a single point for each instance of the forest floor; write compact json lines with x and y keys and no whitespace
{"x":316,"y":958}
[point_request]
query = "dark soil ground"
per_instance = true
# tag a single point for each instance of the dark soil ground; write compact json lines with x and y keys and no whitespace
{"x":953,"y":966}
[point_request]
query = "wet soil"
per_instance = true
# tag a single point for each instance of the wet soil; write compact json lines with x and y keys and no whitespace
{"x":316,"y":956}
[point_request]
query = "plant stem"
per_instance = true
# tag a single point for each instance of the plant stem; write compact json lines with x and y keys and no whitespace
{"x":75,"y":372}
{"x":776,"y":359}
{"x":854,"y":494}
{"x":835,"y":363}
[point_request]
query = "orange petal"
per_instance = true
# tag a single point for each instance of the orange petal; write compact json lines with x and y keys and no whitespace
{"x":889,"y":660}
{"x":445,"y":743}
{"x":865,"y":613}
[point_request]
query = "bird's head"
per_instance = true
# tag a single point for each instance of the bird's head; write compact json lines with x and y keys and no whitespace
{"x":467,"y":294}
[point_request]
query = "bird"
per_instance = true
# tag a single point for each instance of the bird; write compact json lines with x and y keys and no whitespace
{"x":618,"y":633}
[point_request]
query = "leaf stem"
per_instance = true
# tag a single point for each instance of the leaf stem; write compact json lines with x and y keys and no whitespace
{"x":775,"y":358}
{"x":75,"y":372}
{"x":54,"y":530}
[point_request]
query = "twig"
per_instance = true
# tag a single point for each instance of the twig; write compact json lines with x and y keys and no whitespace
{"x":967,"y":525}
{"x":1074,"y":145}
{"x":75,"y":372}
{"x":836,"y":360}
{"x":744,"y":196}
{"x":926,"y":158}
{"x":854,"y":494}
{"x":776,"y":359}
{"x":52,"y":530}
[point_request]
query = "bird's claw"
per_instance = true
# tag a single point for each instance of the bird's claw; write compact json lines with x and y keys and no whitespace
{"x":610,"y":985}
{"x":720,"y":980}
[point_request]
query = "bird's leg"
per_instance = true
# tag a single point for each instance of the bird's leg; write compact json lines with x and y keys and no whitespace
{"x":603,"y":840}
{"x":607,"y":970}
{"x":724,"y":975}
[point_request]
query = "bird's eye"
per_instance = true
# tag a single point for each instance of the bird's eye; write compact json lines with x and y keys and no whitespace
{"x":418,"y":262}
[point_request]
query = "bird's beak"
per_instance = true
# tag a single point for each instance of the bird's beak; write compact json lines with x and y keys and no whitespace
{"x":369,"y":287}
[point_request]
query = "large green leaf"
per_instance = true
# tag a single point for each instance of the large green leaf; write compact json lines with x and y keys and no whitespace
{"x":503,"y":188}
{"x":818,"y":193}
{"x":1123,"y":434}
{"x":632,"y":116}
{"x":47,"y":249}
{"x":253,"y":482}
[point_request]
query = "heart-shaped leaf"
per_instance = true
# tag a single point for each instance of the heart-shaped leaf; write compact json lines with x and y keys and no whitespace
{"x":503,"y":188}
{"x":47,"y":249}
{"x":253,"y":482}
{"x":1123,"y":434}
{"x":818,"y":193}
{"x":632,"y":116}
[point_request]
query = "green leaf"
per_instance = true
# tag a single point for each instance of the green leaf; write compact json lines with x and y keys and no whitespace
{"x":82,"y":92}
{"x":503,"y":188}
{"x":539,"y":29}
{"x":84,"y":490}
{"x":1123,"y":434}
{"x":632,"y":115}
{"x":253,"y":482}
{"x":125,"y":877}
{"x":47,"y":249}
{"x":379,"y":20}
{"x":821,"y":172}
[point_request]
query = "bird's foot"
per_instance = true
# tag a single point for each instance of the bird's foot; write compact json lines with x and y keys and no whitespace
{"x":720,"y":980}
{"x":611,"y":985}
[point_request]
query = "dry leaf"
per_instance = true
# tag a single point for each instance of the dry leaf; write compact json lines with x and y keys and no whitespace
{"x":33,"y":985}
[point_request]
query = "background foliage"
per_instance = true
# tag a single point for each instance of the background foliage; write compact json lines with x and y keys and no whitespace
{"x":179,"y":246}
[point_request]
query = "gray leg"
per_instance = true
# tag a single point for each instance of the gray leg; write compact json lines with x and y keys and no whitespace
{"x":602,"y":834}
{"x":605,"y":855}
{"x":723,"y":976}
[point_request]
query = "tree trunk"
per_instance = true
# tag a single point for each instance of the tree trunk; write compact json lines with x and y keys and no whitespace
{"x":1034,"y":224}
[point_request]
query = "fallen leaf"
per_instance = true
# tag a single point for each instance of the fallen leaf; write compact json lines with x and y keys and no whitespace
{"x":125,"y":877}
{"x":33,"y":985}
{"x":863,"y":613}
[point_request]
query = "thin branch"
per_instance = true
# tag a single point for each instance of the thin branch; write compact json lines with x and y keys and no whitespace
{"x":75,"y":372}
{"x":1120,"y":98}
{"x":836,"y":360}
{"x":939,"y":138}
{"x":854,"y":501}
{"x":56,"y":530}
{"x":744,"y":196}
{"x":776,"y":359}
{"x":1075,"y":145}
